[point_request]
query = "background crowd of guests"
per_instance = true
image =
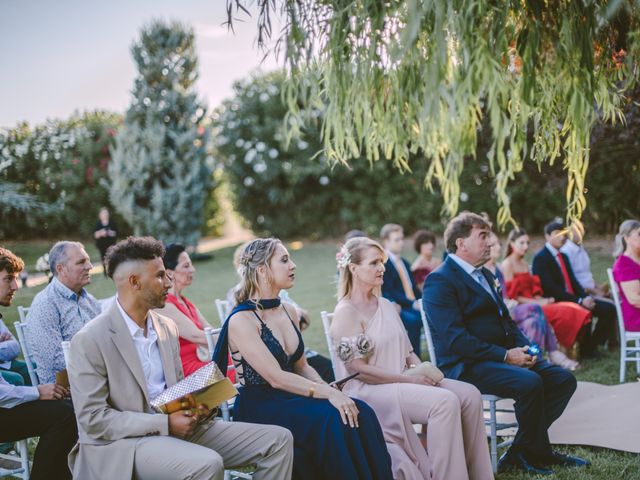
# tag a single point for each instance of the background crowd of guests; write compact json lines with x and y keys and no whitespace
{"x":484,"y":315}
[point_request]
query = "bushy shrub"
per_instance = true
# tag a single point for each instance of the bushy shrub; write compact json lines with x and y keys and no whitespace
{"x":292,"y":191}
{"x":161,"y":174}
{"x":62,"y":164}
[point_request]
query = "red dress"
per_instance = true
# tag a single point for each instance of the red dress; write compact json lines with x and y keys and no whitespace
{"x":566,"y":318}
{"x":188,"y":355}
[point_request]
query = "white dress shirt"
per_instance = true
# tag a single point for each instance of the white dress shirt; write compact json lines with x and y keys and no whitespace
{"x":12,"y":395}
{"x":9,"y":349}
{"x":580,"y":264}
{"x":148,"y":352}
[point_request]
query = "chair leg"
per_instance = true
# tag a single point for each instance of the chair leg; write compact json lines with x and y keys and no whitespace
{"x":23,"y":450}
{"x":494,"y":440}
{"x":623,"y":355}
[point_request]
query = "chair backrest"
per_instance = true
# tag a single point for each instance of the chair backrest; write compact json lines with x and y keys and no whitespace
{"x":22,"y":339}
{"x":427,"y":334}
{"x":326,"y":324}
{"x":66,"y":347}
{"x":22,"y":312}
{"x":615,"y":293}
{"x":209,"y":333}
{"x":224,"y":309}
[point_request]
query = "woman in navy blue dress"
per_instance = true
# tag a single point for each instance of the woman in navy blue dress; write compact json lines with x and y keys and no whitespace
{"x":334,"y":435}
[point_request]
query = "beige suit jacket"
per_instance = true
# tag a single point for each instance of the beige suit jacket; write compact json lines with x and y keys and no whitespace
{"x":110,"y":397}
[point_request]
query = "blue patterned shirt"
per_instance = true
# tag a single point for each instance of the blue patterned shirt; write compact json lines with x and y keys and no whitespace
{"x":56,"y":315}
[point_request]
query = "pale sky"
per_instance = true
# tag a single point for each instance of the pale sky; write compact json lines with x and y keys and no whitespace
{"x":58,"y":56}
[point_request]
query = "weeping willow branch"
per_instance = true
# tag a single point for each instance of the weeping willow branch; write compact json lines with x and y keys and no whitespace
{"x":399,"y":78}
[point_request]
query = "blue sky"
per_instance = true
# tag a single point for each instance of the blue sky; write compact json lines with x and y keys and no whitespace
{"x":58,"y":56}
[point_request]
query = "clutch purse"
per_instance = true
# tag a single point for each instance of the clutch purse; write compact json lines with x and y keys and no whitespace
{"x":426,"y":369}
{"x":207,"y":386}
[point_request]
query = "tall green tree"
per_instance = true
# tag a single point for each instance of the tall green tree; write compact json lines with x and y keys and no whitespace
{"x":400,"y":77}
{"x":161,"y":172}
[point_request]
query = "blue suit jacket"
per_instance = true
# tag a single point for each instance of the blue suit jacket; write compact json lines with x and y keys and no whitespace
{"x":552,"y":280}
{"x":392,"y":288}
{"x":466,"y":323}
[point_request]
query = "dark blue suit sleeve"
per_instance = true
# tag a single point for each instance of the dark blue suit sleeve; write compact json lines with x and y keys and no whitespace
{"x":445,"y":316}
{"x":392,"y":288}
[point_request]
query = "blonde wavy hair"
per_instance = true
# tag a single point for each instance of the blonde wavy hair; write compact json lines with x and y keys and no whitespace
{"x":256,"y":253}
{"x":355,"y":249}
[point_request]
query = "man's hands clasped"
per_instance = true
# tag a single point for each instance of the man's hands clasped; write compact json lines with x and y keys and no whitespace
{"x":183,"y":422}
{"x":520,"y":358}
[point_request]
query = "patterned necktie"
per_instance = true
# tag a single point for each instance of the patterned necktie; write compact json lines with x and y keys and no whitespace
{"x":565,"y":274}
{"x":406,"y":283}
{"x":482,"y":280}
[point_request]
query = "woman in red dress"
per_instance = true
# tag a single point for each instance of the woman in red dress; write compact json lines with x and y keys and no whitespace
{"x":567,"y":319}
{"x":194,"y":351}
{"x":424,"y":243}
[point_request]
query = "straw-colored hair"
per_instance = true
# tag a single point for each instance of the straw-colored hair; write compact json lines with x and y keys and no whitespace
{"x":257,"y":253}
{"x":625,"y":230}
{"x":355,"y":249}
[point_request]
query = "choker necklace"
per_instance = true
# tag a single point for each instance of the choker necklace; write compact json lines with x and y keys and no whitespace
{"x":265,"y":303}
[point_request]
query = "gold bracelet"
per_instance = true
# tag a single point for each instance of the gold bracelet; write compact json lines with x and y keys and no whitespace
{"x":312,"y":391}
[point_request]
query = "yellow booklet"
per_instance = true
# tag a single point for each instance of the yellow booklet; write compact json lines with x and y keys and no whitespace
{"x":206,"y":386}
{"x":62,"y":378}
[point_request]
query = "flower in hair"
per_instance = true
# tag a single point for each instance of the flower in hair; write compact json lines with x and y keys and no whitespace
{"x":343,"y":257}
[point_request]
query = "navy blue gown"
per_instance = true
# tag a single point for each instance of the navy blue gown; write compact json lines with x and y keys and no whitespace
{"x":324,"y":448}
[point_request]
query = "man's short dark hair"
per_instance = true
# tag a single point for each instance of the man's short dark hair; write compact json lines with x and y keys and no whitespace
{"x":171,"y":254}
{"x":421,"y":237}
{"x":552,"y":227}
{"x":461,"y":227}
{"x":132,"y":248}
{"x":10,"y":262}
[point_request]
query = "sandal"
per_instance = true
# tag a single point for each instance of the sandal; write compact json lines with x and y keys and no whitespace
{"x":558,"y":358}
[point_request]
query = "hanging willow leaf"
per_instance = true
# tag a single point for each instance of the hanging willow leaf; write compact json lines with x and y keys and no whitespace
{"x":403,"y":77}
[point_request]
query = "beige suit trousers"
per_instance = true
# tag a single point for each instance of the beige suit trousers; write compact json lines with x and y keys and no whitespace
{"x":206,"y":454}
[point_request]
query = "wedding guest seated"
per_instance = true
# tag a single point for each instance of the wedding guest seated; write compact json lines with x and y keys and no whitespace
{"x":27,"y":411}
{"x":194,"y":351}
{"x":424,"y":243}
{"x":12,"y":370}
{"x":130,"y":354}
{"x":626,"y":272}
{"x":476,"y":341}
{"x":398,"y":286}
{"x":580,"y":262}
{"x":334,"y":436}
{"x":318,"y":362}
{"x":370,"y":340}
{"x":558,"y":282}
{"x":528,"y":316}
{"x":571,"y":322}
{"x":59,"y":311}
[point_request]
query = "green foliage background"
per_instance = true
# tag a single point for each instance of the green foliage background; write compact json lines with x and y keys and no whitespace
{"x":294,"y":191}
{"x":161,"y":174}
{"x":62,"y":167}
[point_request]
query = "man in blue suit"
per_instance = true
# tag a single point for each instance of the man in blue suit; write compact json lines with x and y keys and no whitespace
{"x":398,"y":285}
{"x":477,"y":342}
{"x":558,"y":281}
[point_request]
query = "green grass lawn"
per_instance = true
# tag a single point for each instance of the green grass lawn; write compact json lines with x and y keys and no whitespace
{"x":315,"y":290}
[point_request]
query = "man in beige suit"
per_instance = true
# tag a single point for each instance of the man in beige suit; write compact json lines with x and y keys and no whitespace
{"x":130,"y":354}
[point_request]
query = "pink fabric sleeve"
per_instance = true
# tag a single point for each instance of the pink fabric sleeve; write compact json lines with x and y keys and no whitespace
{"x":625,"y":269}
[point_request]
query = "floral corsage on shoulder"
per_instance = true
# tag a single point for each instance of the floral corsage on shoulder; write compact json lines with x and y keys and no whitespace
{"x":359,"y":346}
